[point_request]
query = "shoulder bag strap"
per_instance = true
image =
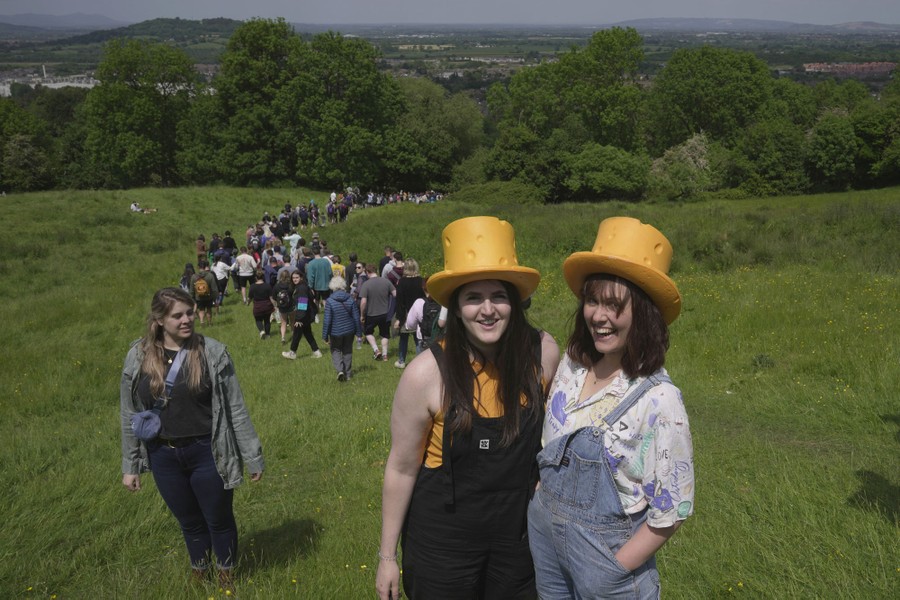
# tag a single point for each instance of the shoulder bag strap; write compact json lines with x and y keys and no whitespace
{"x":170,"y":379}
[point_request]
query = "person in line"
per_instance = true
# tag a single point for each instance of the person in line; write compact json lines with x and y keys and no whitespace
{"x":283,"y":293}
{"x":318,"y":274}
{"x":409,"y":289}
{"x":375,"y":299}
{"x":261,"y":295}
{"x":617,"y":468}
{"x":472,"y":406}
{"x":304,"y":312}
{"x":186,"y":276}
{"x":423,"y":318}
{"x":222,"y":268}
{"x":340,"y":326}
{"x":206,"y":438}
{"x":204,"y":291}
{"x":246,"y":270}
{"x":201,"y":248}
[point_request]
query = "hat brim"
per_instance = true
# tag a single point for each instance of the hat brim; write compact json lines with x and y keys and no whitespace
{"x":442,"y":285}
{"x":661,"y":289}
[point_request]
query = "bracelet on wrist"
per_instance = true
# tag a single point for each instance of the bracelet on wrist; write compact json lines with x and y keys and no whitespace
{"x":392,"y":558}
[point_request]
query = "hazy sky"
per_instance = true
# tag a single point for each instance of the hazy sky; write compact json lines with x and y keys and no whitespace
{"x":585,"y":12}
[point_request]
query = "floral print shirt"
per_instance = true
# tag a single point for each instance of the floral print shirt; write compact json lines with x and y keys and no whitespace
{"x":649,"y":449}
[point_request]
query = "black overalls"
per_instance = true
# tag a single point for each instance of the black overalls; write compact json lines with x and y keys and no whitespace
{"x":465,"y":534}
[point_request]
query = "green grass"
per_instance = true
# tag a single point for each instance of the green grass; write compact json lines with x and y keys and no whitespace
{"x":786,"y":351}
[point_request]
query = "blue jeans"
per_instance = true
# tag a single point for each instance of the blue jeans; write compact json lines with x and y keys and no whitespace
{"x":576,"y":525}
{"x":194,"y":491}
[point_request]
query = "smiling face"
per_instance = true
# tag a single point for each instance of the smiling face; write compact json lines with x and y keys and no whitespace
{"x":484,"y":309}
{"x":177,"y":325}
{"x":607,"y":314}
{"x":295,"y":278}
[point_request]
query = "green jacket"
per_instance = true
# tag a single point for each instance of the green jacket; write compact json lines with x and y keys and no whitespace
{"x":234,"y":441}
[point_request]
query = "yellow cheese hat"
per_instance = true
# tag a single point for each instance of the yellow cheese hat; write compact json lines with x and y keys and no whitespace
{"x":635,"y":251}
{"x":477,"y":248}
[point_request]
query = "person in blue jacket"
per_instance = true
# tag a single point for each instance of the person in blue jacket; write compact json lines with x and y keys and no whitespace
{"x":341,"y":326}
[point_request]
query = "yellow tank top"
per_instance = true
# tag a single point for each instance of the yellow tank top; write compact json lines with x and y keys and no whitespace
{"x":487,"y":404}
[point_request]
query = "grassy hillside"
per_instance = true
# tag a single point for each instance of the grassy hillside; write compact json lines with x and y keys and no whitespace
{"x":786,"y":351}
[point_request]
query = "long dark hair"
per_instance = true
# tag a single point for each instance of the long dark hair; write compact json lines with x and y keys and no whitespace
{"x":154,"y":359}
{"x":518,"y":365}
{"x":648,"y":338}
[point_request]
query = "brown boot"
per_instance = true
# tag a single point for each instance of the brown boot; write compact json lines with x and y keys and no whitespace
{"x":226,"y":579}
{"x":199,"y":575}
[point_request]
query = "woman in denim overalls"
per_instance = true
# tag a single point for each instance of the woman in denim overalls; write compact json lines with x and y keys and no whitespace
{"x":616,"y":471}
{"x":465,"y":430}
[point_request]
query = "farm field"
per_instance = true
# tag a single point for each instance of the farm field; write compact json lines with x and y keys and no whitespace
{"x":787,"y":352}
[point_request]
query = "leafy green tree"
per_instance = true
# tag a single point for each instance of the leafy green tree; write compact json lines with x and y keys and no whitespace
{"x":200,"y":158}
{"x":337,"y":112}
{"x":519,"y":154}
{"x":471,"y":171}
{"x":132,"y":115}
{"x":792,"y":101}
{"x":709,"y":90}
{"x":684,"y":171}
{"x":846,"y":95}
{"x":832,"y":153}
{"x":548,"y":115}
{"x":251,"y":144}
{"x":434,"y":132}
{"x":769,"y":158}
{"x":25,"y":149}
{"x":26,"y":166}
{"x":606,"y":172}
{"x":872,"y":123}
{"x":596,"y":85}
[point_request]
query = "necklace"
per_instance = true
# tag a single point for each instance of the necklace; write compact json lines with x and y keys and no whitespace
{"x":170,"y":355}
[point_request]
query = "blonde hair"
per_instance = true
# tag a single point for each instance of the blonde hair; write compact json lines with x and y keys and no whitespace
{"x":154,"y":361}
{"x":410,"y":268}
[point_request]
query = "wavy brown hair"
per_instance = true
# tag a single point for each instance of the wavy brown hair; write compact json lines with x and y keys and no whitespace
{"x":648,"y":338}
{"x":154,"y":361}
{"x":518,"y":364}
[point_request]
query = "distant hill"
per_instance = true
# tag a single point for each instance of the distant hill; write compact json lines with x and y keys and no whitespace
{"x":751,"y":25}
{"x":76,"y":21}
{"x":163,"y":30}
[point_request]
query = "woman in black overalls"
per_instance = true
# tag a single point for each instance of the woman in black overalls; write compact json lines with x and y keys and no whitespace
{"x":466,"y":428}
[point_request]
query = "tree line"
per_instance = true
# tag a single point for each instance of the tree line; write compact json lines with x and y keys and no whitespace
{"x":283,"y":111}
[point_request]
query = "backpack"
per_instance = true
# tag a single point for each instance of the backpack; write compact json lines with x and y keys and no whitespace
{"x":201,"y":288}
{"x":429,"y":325}
{"x":283,"y":299}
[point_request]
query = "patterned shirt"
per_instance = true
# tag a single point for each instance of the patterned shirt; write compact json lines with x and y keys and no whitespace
{"x":649,"y":449}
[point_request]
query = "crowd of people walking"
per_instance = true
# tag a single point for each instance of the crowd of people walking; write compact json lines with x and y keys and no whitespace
{"x":292,"y":283}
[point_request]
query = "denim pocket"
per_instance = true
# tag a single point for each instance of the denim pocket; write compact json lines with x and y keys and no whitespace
{"x":595,"y":565}
{"x":573,"y":481}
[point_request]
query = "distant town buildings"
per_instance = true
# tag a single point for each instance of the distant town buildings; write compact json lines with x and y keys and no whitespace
{"x":867,"y":69}
{"x":33,"y":80}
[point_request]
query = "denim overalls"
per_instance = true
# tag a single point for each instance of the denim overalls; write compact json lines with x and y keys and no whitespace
{"x":576,"y":522}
